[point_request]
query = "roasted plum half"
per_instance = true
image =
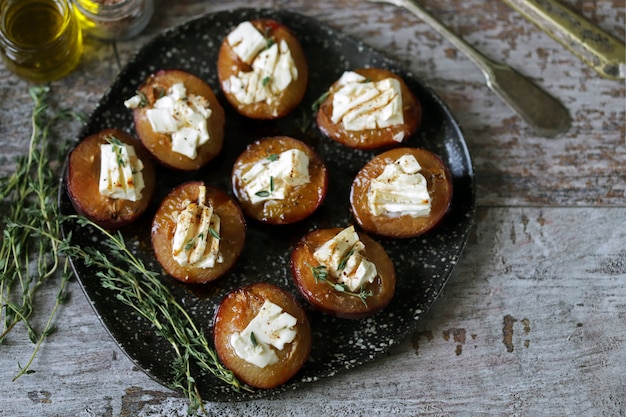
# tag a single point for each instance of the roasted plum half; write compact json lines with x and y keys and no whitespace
{"x":262,"y":69}
{"x":279,"y":180}
{"x":262,"y":335}
{"x":104,"y":203}
{"x":198,"y":233}
{"x":335,"y":288}
{"x":369,"y":108}
{"x":391,"y":196}
{"x":179,"y":119}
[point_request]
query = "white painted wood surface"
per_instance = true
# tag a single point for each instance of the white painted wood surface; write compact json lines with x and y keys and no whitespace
{"x":531,"y":322}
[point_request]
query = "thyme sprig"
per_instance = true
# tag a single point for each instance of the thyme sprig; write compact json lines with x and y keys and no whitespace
{"x":321,"y":274}
{"x":33,"y":252}
{"x":27,"y":259}
{"x":142,"y":290}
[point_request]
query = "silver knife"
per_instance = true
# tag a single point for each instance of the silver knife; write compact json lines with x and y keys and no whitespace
{"x":545,"y":114}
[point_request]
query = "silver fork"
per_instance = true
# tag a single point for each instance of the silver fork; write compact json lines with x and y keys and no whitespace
{"x":545,"y":114}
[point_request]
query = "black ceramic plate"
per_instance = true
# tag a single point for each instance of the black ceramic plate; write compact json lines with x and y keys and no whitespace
{"x":423,"y":264}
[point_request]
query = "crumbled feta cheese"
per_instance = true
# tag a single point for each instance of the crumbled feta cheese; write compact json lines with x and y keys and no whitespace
{"x":246,"y":41}
{"x":182,"y":116}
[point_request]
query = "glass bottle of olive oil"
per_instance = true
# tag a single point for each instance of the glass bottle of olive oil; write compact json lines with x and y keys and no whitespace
{"x":40,"y":40}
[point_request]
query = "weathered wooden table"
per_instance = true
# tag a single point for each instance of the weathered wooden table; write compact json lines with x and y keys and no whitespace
{"x":531,"y":321}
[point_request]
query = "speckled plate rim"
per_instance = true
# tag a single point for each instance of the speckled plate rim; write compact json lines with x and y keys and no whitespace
{"x":433,"y":264}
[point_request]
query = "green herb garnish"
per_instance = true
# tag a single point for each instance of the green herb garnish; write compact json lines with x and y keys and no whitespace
{"x":253,"y":340}
{"x":344,"y":260}
{"x":191,"y":242}
{"x":269,"y":41}
{"x":34,"y":252}
{"x":266,"y":80}
{"x":143,"y":100}
{"x":214,"y":233}
{"x":317,"y":103}
{"x":320,"y":273}
{"x":265,"y":193}
{"x":30,"y":255}
{"x":117,"y":148}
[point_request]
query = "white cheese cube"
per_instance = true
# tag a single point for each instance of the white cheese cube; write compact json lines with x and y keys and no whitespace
{"x":271,"y":179}
{"x":120,"y":172}
{"x":178,"y":91}
{"x":246,"y":41}
{"x":360,"y":105}
{"x":161,"y":120}
{"x":285,"y":70}
{"x":344,"y":260}
{"x":196,"y":236}
{"x":182,"y":116}
{"x":185,"y":141}
{"x":133,"y":102}
{"x":270,"y":329}
{"x":400,"y":190}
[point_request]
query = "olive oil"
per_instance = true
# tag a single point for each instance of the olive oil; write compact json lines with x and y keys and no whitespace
{"x":41,"y":39}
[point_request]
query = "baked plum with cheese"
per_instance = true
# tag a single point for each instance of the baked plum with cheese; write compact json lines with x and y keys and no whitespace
{"x":110,"y":178}
{"x":198,"y":232}
{"x":179,"y":119}
{"x":262,"y":69}
{"x":279,"y":180}
{"x":403,"y":192}
{"x":369,"y":108}
{"x":262,"y":335}
{"x":343,"y":272}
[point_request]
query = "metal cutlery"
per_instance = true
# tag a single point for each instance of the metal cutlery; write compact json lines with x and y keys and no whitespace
{"x":545,"y":114}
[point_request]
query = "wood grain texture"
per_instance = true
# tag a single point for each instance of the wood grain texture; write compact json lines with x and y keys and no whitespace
{"x":531,"y":322}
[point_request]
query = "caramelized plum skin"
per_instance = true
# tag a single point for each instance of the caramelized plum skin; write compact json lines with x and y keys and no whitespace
{"x":229,"y":64}
{"x":83,"y":178}
{"x":328,"y":300}
{"x":439,"y":182}
{"x":299,"y":203}
{"x":232,"y":233}
{"x":160,"y":144}
{"x":233,"y":315}
{"x":372,"y":138}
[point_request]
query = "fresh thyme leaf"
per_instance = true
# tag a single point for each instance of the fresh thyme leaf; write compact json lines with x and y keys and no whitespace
{"x":272,"y":157}
{"x":143,"y":100}
{"x":271,"y":185}
{"x":114,"y":141}
{"x":214,"y":233}
{"x":344,"y":260}
{"x":191,"y":242}
{"x":253,"y":340}
{"x":269,"y":41}
{"x":266,"y":80}
{"x":321,"y":273}
{"x":317,"y":103}
{"x":262,"y":193}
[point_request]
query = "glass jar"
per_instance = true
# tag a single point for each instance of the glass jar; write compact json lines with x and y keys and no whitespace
{"x":40,"y":40}
{"x":114,"y":19}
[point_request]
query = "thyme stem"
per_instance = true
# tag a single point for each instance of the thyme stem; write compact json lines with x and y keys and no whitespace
{"x":33,"y":251}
